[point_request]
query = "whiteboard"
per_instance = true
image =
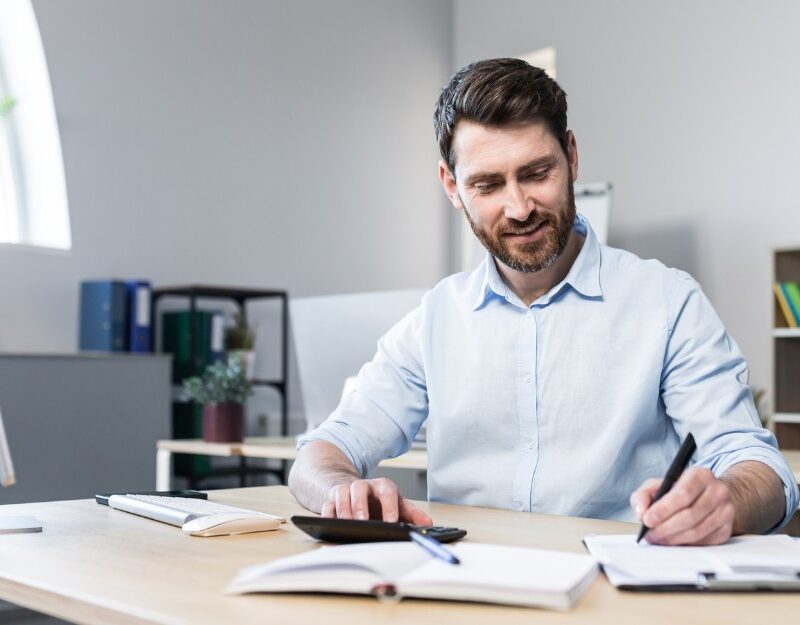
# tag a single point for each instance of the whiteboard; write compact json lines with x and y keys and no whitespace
{"x":593,"y":201}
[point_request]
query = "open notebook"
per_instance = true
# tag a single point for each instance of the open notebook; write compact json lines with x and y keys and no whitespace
{"x":487,"y":573}
{"x":743,"y":563}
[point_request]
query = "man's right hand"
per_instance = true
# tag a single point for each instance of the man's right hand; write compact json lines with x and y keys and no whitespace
{"x":372,"y":499}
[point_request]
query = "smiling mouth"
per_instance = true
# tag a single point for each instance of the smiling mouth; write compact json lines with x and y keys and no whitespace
{"x":527,"y":231}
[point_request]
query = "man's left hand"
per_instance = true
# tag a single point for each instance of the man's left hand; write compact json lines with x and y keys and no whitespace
{"x":698,"y":510}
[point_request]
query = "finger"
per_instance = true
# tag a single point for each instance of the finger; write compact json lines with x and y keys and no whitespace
{"x":328,"y":509}
{"x":385,"y":491}
{"x":341,"y":497}
{"x":410,"y":513}
{"x":714,"y":529}
{"x":682,"y":495}
{"x":686,"y":519}
{"x":640,"y":498}
{"x":359,"y":499}
{"x":721,"y":536}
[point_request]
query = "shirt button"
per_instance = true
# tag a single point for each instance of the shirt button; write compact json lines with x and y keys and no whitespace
{"x":529,"y":444}
{"x":527,"y":378}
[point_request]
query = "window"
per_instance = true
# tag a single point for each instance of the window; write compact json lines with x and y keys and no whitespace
{"x":9,"y":226}
{"x":33,"y":194}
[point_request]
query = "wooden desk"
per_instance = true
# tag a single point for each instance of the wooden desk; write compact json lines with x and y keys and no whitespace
{"x":99,"y":566}
{"x":274,"y":448}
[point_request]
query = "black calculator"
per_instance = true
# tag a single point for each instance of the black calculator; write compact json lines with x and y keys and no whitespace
{"x":352,"y":531}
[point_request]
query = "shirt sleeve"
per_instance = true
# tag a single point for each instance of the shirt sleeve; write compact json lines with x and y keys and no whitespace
{"x":379,"y":418}
{"x":705,"y":391}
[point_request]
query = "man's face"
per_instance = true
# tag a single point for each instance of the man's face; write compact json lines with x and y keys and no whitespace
{"x":514,"y":184}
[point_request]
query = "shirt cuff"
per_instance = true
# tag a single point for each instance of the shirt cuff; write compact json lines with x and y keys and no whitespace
{"x":330,"y":434}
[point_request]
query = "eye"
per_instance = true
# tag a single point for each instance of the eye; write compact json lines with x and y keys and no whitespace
{"x":486,"y":187}
{"x":539,"y":174}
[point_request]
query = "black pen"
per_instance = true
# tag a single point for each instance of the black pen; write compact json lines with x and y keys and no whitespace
{"x":673,"y":473}
{"x":433,"y":547}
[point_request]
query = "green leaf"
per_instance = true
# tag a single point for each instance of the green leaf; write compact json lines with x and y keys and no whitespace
{"x":220,"y":383}
{"x":240,"y":335}
{"x":7,"y":104}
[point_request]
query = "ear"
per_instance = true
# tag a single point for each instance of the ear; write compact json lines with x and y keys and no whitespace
{"x":572,"y":154}
{"x":449,"y":185}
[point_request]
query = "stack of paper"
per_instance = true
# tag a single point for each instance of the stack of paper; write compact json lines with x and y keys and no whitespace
{"x":743,"y":563}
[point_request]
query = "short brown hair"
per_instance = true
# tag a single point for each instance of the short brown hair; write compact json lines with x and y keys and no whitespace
{"x":496,"y":92}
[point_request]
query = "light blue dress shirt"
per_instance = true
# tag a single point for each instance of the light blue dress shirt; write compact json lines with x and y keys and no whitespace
{"x":565,"y":406}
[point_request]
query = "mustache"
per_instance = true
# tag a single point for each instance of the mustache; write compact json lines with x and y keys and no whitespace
{"x":514,"y":226}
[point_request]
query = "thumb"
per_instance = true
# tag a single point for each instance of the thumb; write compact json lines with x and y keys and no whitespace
{"x":642,"y":497}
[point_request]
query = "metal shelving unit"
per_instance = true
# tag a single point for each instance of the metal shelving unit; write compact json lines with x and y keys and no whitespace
{"x":240,"y":296}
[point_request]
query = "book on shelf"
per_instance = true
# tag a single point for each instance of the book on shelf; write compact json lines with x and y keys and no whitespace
{"x":792,"y":291}
{"x":177,"y":339}
{"x":788,"y":296}
{"x":487,"y":573}
{"x":139,"y":326}
{"x":187,"y":422}
{"x":103,"y":316}
{"x":115,"y":316}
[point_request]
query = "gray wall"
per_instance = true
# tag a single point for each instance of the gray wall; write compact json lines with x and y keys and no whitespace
{"x":289,"y":144}
{"x":690,"y":109}
{"x":254,"y":143}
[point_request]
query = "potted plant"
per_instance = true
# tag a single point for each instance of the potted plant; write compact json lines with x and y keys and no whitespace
{"x":222,"y":389}
{"x":240,"y":341}
{"x":6,"y":107}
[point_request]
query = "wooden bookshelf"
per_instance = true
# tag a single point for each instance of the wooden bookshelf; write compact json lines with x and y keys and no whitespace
{"x":786,"y":354}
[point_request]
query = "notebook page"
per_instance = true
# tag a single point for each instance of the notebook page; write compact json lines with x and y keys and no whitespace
{"x":499,"y":572}
{"x":344,"y":568}
{"x":628,"y":563}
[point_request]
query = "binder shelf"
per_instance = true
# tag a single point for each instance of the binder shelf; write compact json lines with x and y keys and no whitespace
{"x":786,"y":355}
{"x":197,"y":469}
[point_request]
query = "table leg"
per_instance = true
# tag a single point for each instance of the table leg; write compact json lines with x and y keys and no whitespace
{"x":163,"y":469}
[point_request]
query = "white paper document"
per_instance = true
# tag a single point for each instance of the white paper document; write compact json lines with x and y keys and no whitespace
{"x":743,"y":563}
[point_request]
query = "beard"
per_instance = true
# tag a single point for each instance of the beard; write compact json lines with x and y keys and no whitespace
{"x":535,"y":255}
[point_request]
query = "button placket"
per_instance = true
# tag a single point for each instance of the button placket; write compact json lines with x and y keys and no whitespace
{"x":526,"y":411}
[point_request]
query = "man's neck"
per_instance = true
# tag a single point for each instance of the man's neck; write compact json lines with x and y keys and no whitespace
{"x":531,"y":286}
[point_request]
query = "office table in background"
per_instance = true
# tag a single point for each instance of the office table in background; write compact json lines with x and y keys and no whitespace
{"x":273,"y":448}
{"x":99,"y":566}
{"x":283,"y":448}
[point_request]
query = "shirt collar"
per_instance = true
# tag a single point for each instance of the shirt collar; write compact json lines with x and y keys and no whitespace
{"x":583,"y":276}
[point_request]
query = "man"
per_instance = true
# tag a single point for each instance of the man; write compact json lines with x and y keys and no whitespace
{"x":561,"y":375}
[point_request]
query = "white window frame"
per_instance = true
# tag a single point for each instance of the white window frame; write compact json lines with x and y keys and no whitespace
{"x":32,"y":143}
{"x":9,"y":206}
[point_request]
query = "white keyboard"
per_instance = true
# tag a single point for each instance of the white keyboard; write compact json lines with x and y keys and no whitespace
{"x":196,"y":516}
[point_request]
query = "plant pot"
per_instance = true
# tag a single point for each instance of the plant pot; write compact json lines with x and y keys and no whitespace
{"x":223,"y":423}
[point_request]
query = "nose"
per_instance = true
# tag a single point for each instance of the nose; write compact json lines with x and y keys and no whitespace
{"x":517,"y":204}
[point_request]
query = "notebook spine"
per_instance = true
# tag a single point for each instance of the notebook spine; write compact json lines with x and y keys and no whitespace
{"x":386,"y":593}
